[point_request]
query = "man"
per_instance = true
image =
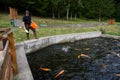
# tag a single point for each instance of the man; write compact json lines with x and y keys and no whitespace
{"x":26,"y":25}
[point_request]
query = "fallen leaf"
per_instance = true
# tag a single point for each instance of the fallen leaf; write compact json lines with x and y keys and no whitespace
{"x":60,"y":73}
{"x":84,"y":55}
{"x":45,"y":69}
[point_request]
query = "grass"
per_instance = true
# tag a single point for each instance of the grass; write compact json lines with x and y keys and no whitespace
{"x":59,"y":21}
{"x":5,"y":20}
{"x":19,"y":33}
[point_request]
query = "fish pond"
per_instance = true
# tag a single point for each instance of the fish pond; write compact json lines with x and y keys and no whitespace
{"x":88,"y":59}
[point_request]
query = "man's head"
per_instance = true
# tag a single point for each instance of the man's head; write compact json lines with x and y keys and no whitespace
{"x":27,"y":13}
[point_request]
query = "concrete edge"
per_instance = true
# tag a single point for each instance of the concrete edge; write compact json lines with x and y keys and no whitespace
{"x":110,"y":36}
{"x":24,"y":72}
{"x":34,"y":45}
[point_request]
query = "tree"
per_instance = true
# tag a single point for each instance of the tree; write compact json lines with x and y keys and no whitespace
{"x":99,"y":8}
{"x":75,"y":8}
{"x":53,"y":6}
{"x":67,"y":5}
{"x":40,"y":8}
{"x":92,"y":9}
{"x":60,"y":8}
{"x":117,"y":10}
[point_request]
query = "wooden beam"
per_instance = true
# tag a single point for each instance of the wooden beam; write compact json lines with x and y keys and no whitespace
{"x":11,"y":74}
{"x":13,"y":53}
{"x":1,"y":45}
{"x":5,"y":67}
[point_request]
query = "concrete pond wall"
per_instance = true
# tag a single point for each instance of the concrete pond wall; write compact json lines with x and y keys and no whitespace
{"x":33,"y":45}
{"x":26,"y":47}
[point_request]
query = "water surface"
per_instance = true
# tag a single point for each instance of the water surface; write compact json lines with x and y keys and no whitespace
{"x":103,"y":64}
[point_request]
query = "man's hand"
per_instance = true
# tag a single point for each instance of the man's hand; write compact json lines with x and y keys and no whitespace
{"x":26,"y":31}
{"x":25,"y":28}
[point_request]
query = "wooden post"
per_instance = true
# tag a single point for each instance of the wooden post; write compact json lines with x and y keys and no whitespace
{"x":1,"y":45}
{"x":13,"y":53}
{"x":11,"y":12}
{"x":16,"y":14}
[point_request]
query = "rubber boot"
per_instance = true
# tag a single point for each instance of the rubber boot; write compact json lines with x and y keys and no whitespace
{"x":27,"y":34}
{"x":35,"y":35}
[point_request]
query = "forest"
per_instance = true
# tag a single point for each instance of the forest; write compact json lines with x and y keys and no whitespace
{"x":67,"y":9}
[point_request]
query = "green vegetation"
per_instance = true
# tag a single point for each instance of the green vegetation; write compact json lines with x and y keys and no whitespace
{"x":4,"y":20}
{"x":19,"y":34}
{"x":67,"y":9}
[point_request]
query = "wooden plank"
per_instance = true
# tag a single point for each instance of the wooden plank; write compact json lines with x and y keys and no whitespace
{"x":11,"y":74}
{"x":9,"y":64}
{"x":4,"y":52}
{"x":1,"y":56}
{"x":4,"y":41}
{"x":5,"y":67}
{"x":11,"y":70}
{"x":1,"y":45}
{"x":7,"y":71}
{"x":6,"y":49}
{"x":9,"y":67}
{"x":13,"y":53}
{"x":11,"y":13}
{"x":3,"y":31}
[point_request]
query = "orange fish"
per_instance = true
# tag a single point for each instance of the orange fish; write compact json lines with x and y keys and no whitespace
{"x":60,"y":73}
{"x":118,"y":75}
{"x":87,"y":49}
{"x":104,"y":66}
{"x":45,"y":69}
{"x":79,"y":56}
{"x":77,"y":49}
{"x":84,"y":55}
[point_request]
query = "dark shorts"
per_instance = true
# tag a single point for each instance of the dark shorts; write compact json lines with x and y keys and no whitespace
{"x":28,"y":28}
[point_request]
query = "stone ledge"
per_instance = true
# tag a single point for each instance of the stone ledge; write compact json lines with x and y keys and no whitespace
{"x":34,"y":45}
{"x":110,"y":36}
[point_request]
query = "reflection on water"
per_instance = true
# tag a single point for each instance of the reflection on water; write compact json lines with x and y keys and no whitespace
{"x":91,"y":59}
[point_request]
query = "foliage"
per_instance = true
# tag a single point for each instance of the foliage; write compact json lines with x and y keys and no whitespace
{"x":92,"y":9}
{"x":98,"y":8}
{"x":43,"y":32}
{"x":19,"y":33}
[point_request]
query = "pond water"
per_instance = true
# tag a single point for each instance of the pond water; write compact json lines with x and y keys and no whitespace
{"x":89,"y":59}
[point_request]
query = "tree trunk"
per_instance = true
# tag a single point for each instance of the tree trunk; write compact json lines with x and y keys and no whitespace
{"x":53,"y":14}
{"x":99,"y":16}
{"x":71,"y":16}
{"x":67,"y":14}
{"x":75,"y":16}
{"x":58,"y":15}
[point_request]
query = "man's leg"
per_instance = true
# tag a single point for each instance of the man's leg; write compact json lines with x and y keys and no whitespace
{"x":27,"y":34}
{"x":34,"y":32}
